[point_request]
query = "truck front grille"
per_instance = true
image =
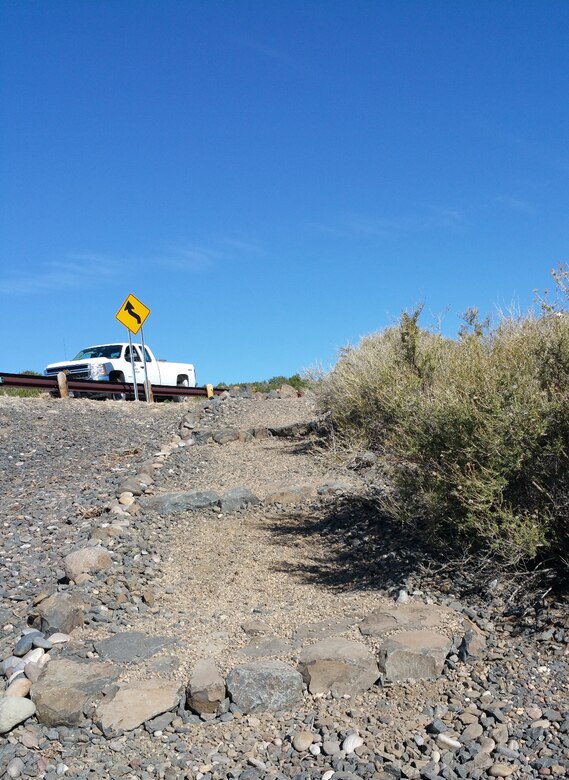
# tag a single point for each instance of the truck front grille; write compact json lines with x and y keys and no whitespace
{"x":78,"y":371}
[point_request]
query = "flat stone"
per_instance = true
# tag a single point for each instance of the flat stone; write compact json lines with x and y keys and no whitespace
{"x":14,"y":710}
{"x":60,"y":613}
{"x":172,"y":503}
{"x":131,"y":646}
{"x":136,"y":702}
{"x":64,"y":688}
{"x":87,"y":561}
{"x":414,"y":654}
{"x":206,"y":687}
{"x":255,"y":627}
{"x":265,"y":685}
{"x":323,"y":629}
{"x":410,"y":617}
{"x":235,"y":499}
{"x":166,"y":664}
{"x":267,"y":647}
{"x":340,"y":664}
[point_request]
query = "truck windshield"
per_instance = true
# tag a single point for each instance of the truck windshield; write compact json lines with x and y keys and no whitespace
{"x":109,"y":351}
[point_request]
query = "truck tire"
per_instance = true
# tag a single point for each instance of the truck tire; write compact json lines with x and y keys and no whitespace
{"x":182,"y":382}
{"x":117,"y":376}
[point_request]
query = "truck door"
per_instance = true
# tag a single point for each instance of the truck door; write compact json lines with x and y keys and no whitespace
{"x":153,"y":370}
{"x":138,"y":367}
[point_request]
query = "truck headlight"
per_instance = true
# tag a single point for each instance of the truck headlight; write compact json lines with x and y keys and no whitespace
{"x":98,"y":369}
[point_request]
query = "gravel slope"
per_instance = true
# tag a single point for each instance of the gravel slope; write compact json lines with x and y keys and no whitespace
{"x":199,"y":577}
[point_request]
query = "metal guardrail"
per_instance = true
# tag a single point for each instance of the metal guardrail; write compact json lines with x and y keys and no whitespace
{"x":50,"y":384}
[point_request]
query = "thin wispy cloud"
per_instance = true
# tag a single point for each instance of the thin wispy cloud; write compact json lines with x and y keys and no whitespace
{"x":427,"y":217}
{"x":515,"y":204}
{"x":76,"y":272}
{"x":194,"y":259}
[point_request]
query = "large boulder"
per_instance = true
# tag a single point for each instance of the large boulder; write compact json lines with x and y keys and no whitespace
{"x":265,"y":685}
{"x":414,"y":654}
{"x":136,"y":702}
{"x":206,"y":688}
{"x":66,"y":685}
{"x":342,"y":665}
{"x":86,"y":561}
{"x":172,"y":503}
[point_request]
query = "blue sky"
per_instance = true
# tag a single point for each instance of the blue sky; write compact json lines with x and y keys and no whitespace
{"x":274,"y":179}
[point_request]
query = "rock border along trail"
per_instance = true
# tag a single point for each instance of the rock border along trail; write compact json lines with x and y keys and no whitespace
{"x":199,"y":592}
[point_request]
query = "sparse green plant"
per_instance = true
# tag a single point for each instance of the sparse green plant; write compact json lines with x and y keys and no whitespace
{"x":22,"y":392}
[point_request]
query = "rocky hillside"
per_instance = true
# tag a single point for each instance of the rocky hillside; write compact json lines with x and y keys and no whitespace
{"x":207,"y":591}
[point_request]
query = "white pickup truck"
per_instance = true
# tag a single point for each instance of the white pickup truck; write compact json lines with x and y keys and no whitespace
{"x":111,"y":363}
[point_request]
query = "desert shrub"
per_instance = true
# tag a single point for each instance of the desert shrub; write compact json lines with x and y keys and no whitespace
{"x":478,"y":427}
{"x":21,"y":392}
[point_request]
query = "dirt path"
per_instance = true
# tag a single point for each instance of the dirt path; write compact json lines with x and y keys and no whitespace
{"x":221,"y":571}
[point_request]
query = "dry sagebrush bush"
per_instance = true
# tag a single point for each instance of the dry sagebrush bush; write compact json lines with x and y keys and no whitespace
{"x":479,"y":427}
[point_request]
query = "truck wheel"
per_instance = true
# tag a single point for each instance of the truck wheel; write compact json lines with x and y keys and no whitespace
{"x":117,"y":377}
{"x":180,"y":399}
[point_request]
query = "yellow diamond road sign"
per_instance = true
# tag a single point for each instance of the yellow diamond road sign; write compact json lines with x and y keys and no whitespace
{"x":132,"y":314}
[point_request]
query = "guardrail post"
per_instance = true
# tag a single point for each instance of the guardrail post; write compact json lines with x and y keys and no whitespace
{"x":62,"y":385}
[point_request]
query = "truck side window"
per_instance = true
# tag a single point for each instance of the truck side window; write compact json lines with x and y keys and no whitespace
{"x":148,"y":357}
{"x":135,"y":355}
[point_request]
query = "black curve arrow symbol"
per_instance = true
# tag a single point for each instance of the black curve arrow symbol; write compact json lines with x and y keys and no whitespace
{"x":130,"y":310}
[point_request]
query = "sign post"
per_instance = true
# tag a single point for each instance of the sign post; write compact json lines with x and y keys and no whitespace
{"x":132,"y":315}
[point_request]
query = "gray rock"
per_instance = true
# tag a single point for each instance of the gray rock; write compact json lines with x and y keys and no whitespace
{"x":130,"y":646}
{"x":172,"y":503}
{"x":160,"y":722}
{"x":265,"y":685}
{"x":235,"y":499}
{"x":294,"y":430}
{"x":225,"y":436}
{"x":410,"y":617}
{"x":414,"y":654}
{"x":132,"y":485}
{"x":255,"y":627}
{"x":25,"y":643}
{"x":61,"y":612}
{"x":87,"y":560}
{"x":206,"y":688}
{"x":340,"y":664}
{"x":136,"y":702}
{"x":202,"y":437}
{"x":14,"y":710}
{"x":66,"y":685}
{"x":267,"y":647}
